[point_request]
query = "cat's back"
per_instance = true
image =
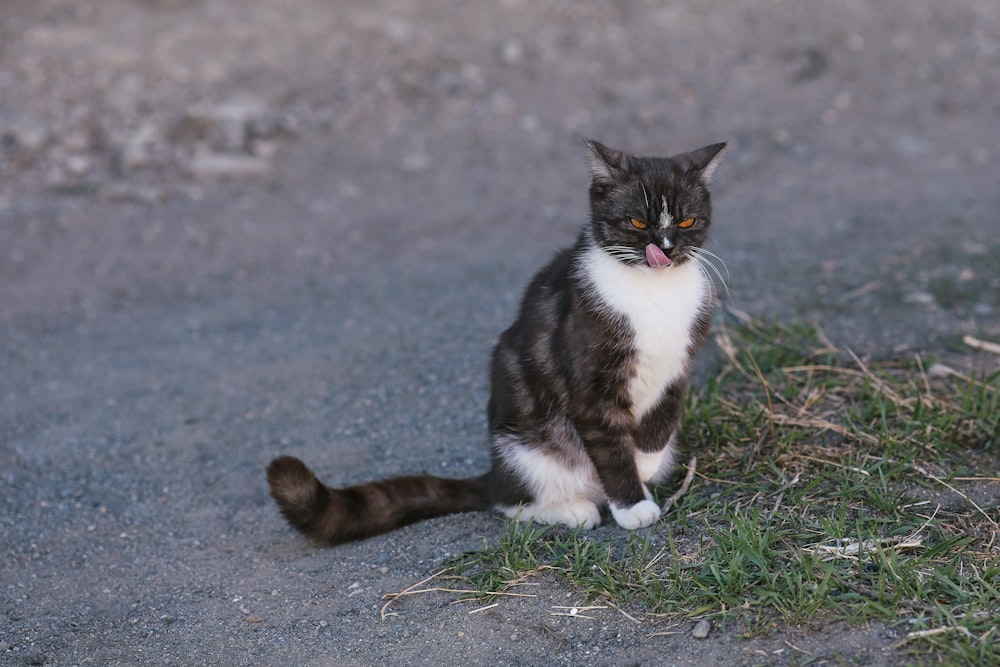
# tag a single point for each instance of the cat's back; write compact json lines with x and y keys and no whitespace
{"x":546,"y":298}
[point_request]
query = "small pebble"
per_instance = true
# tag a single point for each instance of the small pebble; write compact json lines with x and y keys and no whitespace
{"x":701,"y":629}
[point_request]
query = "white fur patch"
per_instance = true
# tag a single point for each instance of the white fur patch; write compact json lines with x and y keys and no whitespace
{"x":661,"y":306}
{"x":655,"y":466}
{"x":665,"y":218}
{"x":582,"y":514}
{"x":643,"y":513}
{"x":565,"y":493}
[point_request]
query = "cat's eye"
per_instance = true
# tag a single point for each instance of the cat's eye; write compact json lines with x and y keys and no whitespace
{"x":684,"y":224}
{"x":638,"y":224}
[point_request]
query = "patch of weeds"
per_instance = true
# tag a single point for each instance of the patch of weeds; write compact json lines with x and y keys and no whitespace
{"x":827,"y":488}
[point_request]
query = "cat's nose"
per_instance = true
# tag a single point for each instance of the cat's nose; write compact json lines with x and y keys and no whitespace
{"x":666,"y":244}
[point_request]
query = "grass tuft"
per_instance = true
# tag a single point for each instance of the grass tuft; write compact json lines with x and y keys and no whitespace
{"x":829,"y":488}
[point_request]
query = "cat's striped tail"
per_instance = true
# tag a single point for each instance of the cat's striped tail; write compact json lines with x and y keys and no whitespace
{"x":332,"y":516}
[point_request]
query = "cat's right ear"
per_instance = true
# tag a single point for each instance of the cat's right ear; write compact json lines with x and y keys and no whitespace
{"x":605,"y":163}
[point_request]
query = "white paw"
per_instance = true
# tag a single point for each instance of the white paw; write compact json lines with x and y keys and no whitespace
{"x":583,"y":514}
{"x":643,"y":513}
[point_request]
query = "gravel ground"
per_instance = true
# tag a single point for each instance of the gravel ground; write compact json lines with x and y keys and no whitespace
{"x":232,"y":229}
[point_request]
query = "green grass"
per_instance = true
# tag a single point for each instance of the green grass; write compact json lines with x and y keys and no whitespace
{"x":827,"y":488}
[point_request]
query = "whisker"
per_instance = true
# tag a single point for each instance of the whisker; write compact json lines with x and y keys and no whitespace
{"x":622,"y":252}
{"x":713,"y":255}
{"x":706,"y":254}
{"x":644,"y":195}
{"x":707,"y":277}
{"x":703,"y":263}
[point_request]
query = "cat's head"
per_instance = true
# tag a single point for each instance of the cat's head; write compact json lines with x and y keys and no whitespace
{"x":651,"y":211}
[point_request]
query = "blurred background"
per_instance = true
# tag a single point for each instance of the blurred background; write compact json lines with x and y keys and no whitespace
{"x":231,"y":229}
{"x":170,"y":146}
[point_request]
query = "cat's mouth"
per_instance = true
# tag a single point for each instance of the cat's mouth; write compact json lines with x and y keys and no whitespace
{"x":656,"y":258}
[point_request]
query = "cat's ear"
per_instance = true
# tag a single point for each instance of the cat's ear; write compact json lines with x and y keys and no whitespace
{"x":706,"y":160}
{"x":605,"y":163}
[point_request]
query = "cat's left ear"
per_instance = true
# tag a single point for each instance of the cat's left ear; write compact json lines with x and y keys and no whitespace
{"x":706,"y":160}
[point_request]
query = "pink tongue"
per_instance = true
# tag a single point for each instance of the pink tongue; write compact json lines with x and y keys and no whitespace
{"x":655,"y":256}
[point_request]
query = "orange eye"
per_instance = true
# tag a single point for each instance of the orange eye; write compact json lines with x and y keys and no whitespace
{"x":684,"y":224}
{"x":638,"y":224}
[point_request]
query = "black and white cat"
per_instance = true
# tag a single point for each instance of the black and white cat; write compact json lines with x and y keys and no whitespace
{"x":588,"y":383}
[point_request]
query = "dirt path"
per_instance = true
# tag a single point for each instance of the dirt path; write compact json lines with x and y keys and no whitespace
{"x":231,"y":229}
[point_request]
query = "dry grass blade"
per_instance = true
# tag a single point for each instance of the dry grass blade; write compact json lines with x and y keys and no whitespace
{"x":489,"y":606}
{"x":576,"y":612}
{"x":624,"y":613}
{"x":983,"y":345}
{"x":942,"y":369}
{"x":416,"y":590}
{"x":666,"y":633}
{"x":851,"y":548}
{"x":810,"y":421}
{"x":933,"y":632}
{"x":879,"y":383}
{"x":953,"y":489}
{"x":767,"y":391}
{"x":408,"y":591}
{"x":683,"y":488}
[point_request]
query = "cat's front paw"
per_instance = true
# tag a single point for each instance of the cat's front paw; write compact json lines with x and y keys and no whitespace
{"x":643,"y":513}
{"x":581,"y":514}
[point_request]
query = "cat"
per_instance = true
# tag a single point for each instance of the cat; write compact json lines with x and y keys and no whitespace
{"x":587,"y":385}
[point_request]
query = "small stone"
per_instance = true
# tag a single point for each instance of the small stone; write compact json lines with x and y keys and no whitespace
{"x":22,"y":139}
{"x":34,"y":657}
{"x":138,"y":149}
{"x":923,"y":298}
{"x":510,"y":52}
{"x":77,"y":165}
{"x":397,"y":30}
{"x":230,"y":126}
{"x":782,"y":136}
{"x":701,"y":629}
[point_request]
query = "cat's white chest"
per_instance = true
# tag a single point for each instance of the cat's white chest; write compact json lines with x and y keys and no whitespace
{"x":661,"y":306}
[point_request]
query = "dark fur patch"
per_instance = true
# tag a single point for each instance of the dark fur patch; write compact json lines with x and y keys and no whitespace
{"x":331,"y":516}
